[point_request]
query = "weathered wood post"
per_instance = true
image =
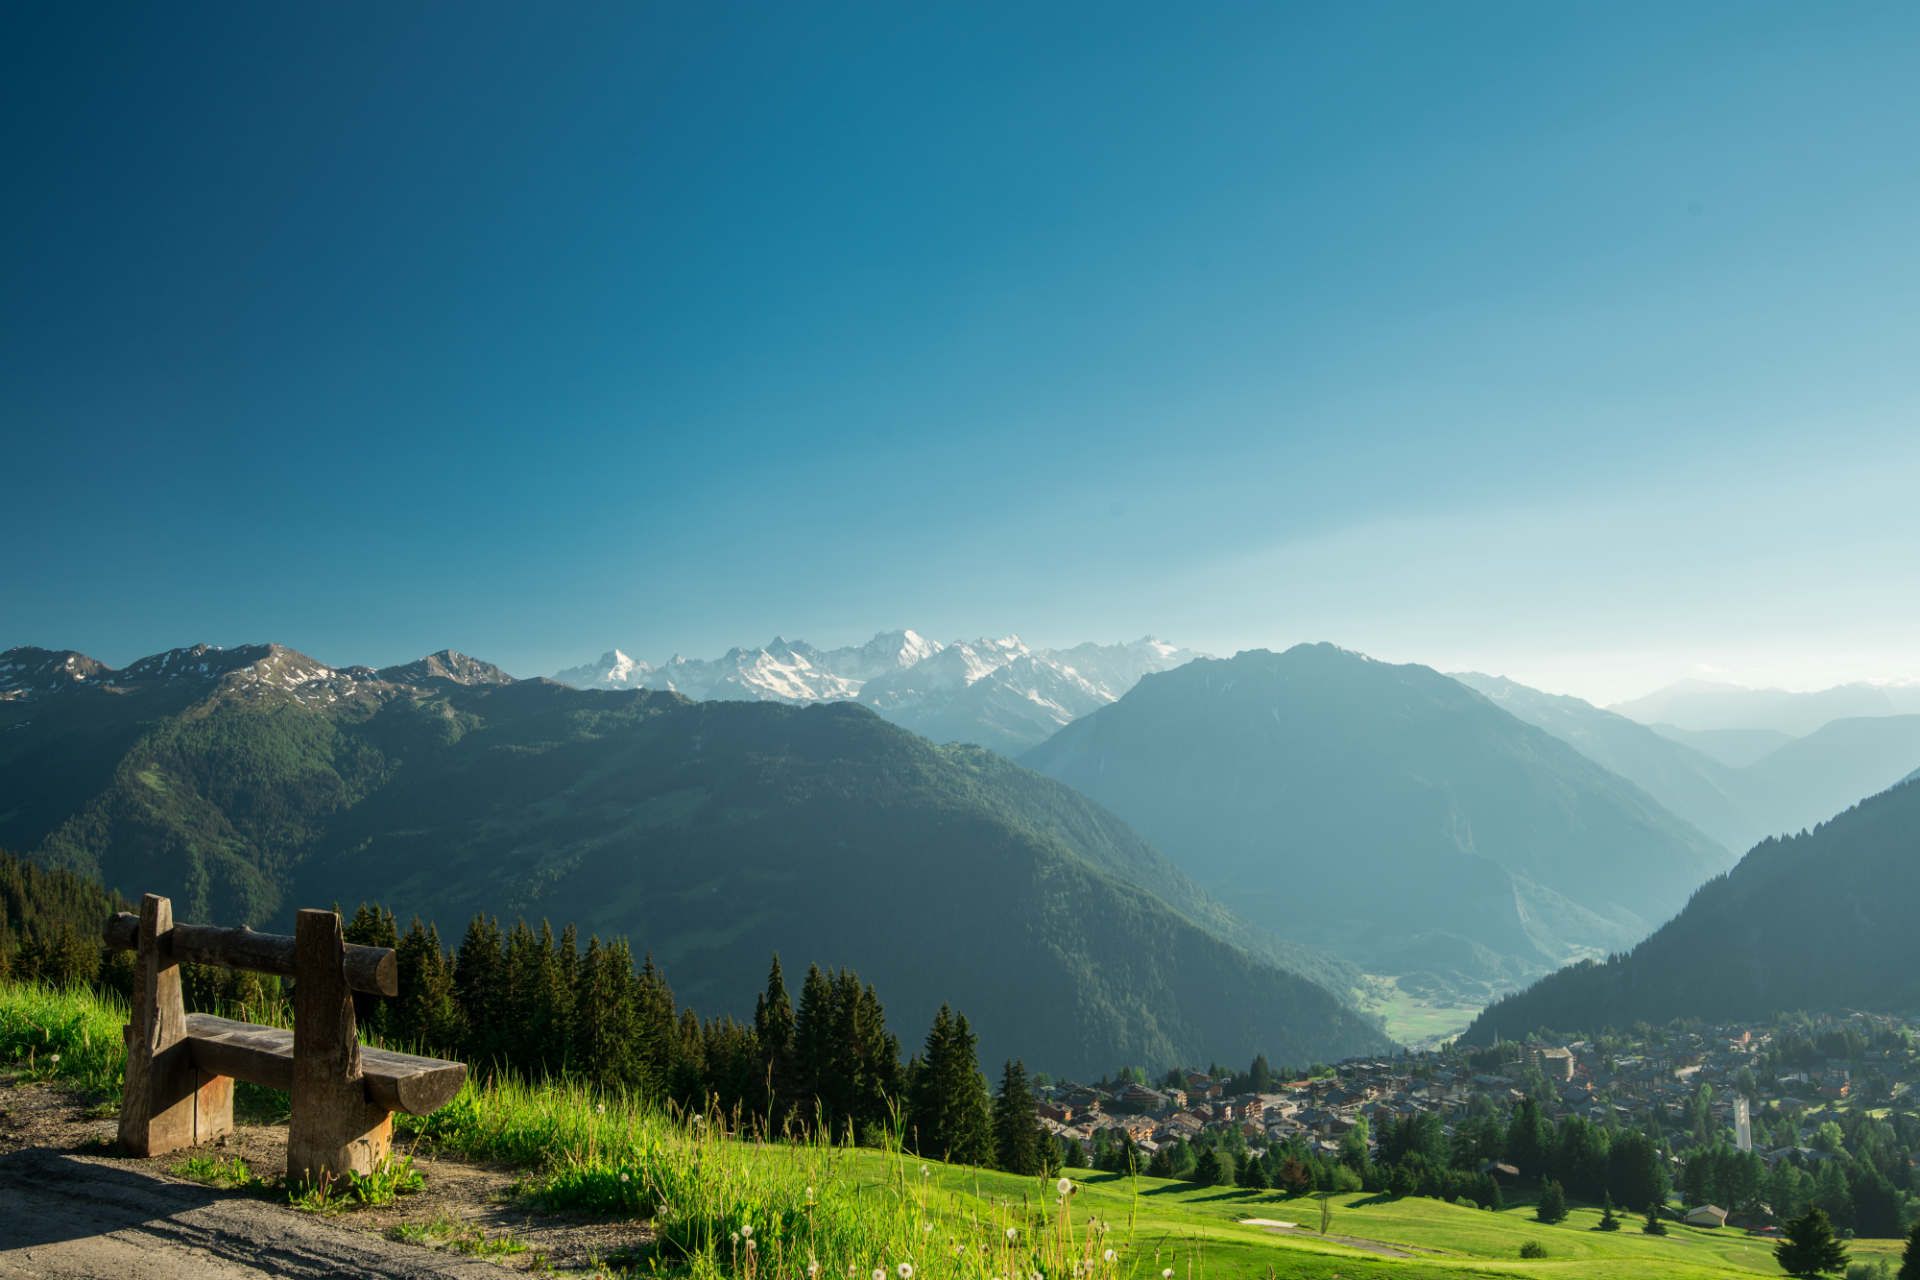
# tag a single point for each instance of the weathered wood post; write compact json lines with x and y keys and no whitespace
{"x":167,"y":1103}
{"x":335,"y":1130}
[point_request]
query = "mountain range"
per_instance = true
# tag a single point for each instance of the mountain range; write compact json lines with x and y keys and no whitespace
{"x":1792,"y":784}
{"x":245,"y":782}
{"x":1385,"y":812}
{"x":996,"y":693}
{"x":1708,"y":706}
{"x":1823,"y":920}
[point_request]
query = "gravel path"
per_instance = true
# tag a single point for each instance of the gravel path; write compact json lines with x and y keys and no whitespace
{"x":72,"y":1215}
{"x":71,"y":1206}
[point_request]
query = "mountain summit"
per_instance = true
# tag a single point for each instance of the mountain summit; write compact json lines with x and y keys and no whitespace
{"x":997,"y":693}
{"x":1385,"y":812}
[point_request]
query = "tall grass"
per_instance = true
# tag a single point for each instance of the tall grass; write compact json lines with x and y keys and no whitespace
{"x":724,"y":1204}
{"x":73,"y":1036}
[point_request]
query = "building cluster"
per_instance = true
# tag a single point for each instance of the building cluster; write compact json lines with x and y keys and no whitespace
{"x":1649,"y":1083}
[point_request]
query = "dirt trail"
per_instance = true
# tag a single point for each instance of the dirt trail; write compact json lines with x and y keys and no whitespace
{"x":72,"y":1207}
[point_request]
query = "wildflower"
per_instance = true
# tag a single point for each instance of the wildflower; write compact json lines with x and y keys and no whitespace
{"x":1166,"y":1273}
{"x":623,"y":1177}
{"x":746,"y":1229}
{"x":1108,"y":1256}
{"x":925,"y":1172}
{"x":905,"y":1270}
{"x":813,"y":1266}
{"x":879,"y":1273}
{"x":1064,"y":1186}
{"x":601,"y":1109}
{"x":755,"y":1244}
{"x":53,"y":1059}
{"x":1013,"y":1234}
{"x":736,"y":1237}
{"x":809,"y":1195}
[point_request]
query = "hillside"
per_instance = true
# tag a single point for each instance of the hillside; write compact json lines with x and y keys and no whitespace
{"x":1786,"y":788}
{"x":246,"y":782}
{"x":1386,"y":812}
{"x":1822,"y":920}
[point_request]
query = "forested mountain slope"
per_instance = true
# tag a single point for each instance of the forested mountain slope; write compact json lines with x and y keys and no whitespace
{"x":1822,"y":920}
{"x":248,"y":782}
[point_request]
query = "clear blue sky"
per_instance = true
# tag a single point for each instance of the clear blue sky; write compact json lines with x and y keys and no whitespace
{"x":1572,"y":341}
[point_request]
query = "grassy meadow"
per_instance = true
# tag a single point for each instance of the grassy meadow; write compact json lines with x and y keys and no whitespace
{"x":724,"y":1205}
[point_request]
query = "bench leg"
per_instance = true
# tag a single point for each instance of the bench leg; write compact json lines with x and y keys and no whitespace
{"x":213,"y":1108}
{"x":159,"y":1102}
{"x":334,"y":1130}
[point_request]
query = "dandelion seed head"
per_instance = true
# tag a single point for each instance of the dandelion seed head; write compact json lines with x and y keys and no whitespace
{"x":1064,"y":1186}
{"x":746,"y":1229}
{"x":905,"y":1271}
{"x":1109,"y":1255}
{"x":1013,"y":1233}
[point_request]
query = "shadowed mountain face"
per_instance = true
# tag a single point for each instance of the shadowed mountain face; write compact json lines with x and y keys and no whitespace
{"x":1367,"y":807}
{"x":1823,"y":920}
{"x":245,"y":783}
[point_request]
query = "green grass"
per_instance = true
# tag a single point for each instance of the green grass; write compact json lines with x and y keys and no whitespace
{"x":215,"y":1172}
{"x":724,"y":1206}
{"x":461,"y":1237}
{"x":69,"y":1036}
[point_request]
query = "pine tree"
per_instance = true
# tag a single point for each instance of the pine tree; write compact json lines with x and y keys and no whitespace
{"x":1252,"y":1175}
{"x":773,"y":1027}
{"x":970,"y":1125}
{"x":372,"y":926}
{"x":813,"y":1049}
{"x":1910,"y":1262}
{"x":1811,"y":1248}
{"x":479,"y":983}
{"x":654,"y":1029}
{"x":1016,"y":1134}
{"x":952,"y":1117}
{"x":1213,"y":1168}
{"x":1608,"y":1222}
{"x":1655,"y":1225}
{"x":1553,"y":1203}
{"x":424,"y":1013}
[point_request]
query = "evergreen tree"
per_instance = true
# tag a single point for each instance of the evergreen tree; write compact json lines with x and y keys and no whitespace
{"x":951,"y":1113}
{"x":1608,"y":1222}
{"x":773,"y":1027}
{"x":1017,"y":1136}
{"x":425,"y":1013}
{"x":1528,"y":1139}
{"x":1910,"y":1262}
{"x":1252,"y":1175}
{"x":1553,"y":1202}
{"x":1811,"y":1248}
{"x":1214,"y":1168}
{"x":655,"y":1035}
{"x":372,"y":926}
{"x":479,"y":983}
{"x":1654,"y":1225}
{"x":813,"y":1051}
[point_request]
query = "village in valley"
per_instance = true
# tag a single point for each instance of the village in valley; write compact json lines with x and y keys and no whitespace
{"x":1788,"y":1093}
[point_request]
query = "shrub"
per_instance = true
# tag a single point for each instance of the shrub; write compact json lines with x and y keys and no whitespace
{"x":1533,"y":1249}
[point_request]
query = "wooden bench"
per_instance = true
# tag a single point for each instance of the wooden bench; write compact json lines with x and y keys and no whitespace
{"x":181,"y":1067}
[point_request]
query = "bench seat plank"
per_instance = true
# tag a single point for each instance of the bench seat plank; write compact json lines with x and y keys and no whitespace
{"x":264,"y":1056}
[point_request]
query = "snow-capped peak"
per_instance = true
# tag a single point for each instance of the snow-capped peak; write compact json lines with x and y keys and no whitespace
{"x":999,"y":691}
